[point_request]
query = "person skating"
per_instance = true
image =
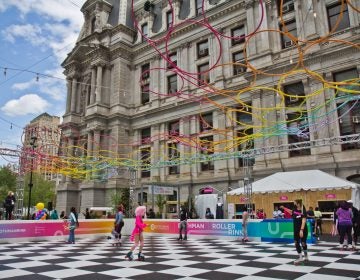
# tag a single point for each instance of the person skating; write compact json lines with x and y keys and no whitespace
{"x":300,"y":230}
{"x":183,"y":215}
{"x":245,"y":218}
{"x":137,"y":234}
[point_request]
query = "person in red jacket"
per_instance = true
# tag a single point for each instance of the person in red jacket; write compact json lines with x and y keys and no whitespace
{"x":137,"y":234}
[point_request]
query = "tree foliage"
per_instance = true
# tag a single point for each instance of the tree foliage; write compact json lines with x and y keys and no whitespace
{"x":42,"y":190}
{"x":120,"y":196}
{"x":7,"y":182}
{"x":160,"y":202}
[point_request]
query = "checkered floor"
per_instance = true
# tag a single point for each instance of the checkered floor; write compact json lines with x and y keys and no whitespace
{"x":167,"y":258}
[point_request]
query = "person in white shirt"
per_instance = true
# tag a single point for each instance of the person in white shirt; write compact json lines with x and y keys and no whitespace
{"x":278,"y":214}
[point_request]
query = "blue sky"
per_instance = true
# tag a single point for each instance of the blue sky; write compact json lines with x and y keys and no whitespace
{"x":35,"y":37}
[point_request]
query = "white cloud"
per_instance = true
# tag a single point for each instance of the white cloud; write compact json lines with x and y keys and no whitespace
{"x":60,"y":25}
{"x":28,"y":32}
{"x":53,"y":87}
{"x":26,"y":104}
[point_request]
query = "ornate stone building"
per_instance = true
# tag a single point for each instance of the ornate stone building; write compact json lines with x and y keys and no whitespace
{"x":122,"y":92}
{"x":46,"y":130}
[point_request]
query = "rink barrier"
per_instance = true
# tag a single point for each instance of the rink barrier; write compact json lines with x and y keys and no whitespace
{"x":267,"y":230}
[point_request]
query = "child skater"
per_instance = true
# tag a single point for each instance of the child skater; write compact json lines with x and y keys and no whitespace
{"x":137,"y":234}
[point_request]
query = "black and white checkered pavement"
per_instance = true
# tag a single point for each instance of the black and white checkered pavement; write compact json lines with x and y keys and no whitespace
{"x":167,"y":258}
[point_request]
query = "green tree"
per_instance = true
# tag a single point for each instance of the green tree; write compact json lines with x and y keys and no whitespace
{"x":7,"y":182}
{"x":160,"y":203}
{"x":42,"y":191}
{"x":120,"y":196}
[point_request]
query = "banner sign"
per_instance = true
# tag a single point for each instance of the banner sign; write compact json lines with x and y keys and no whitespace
{"x":330,"y":196}
{"x":161,"y":190}
{"x":31,"y":229}
{"x":268,"y":230}
{"x":283,"y":197}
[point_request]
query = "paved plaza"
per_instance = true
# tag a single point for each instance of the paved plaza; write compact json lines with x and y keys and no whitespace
{"x":167,"y":258}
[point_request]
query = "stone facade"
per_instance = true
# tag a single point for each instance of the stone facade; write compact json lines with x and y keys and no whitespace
{"x":46,"y":130}
{"x":106,"y":110}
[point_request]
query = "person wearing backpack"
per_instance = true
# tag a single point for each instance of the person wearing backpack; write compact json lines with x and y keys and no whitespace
{"x":9,"y":205}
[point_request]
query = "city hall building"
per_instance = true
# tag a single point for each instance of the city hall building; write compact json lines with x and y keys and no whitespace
{"x":150,"y":85}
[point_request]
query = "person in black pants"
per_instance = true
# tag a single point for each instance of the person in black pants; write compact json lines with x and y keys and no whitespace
{"x":183,"y":215}
{"x":300,"y":230}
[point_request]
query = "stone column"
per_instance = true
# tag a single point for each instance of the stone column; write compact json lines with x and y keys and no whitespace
{"x":73,"y":95}
{"x":68,"y":98}
{"x":99,"y":83}
{"x":192,"y":9}
{"x":184,"y":127}
{"x":90,"y":141}
{"x":96,"y":145}
{"x":93,"y":85}
{"x":69,"y":153}
{"x":251,"y":25}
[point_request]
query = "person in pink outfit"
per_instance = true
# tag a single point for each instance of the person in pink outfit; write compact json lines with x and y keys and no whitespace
{"x":137,"y":234}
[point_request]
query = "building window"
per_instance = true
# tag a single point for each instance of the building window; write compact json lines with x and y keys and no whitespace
{"x":144,"y":31}
{"x":206,"y":122}
{"x":345,"y":76}
{"x":244,"y":115}
{"x":290,"y":27}
{"x":144,"y":197}
{"x":173,"y":60}
{"x":298,"y":131}
{"x":203,"y":49}
{"x":245,"y":141}
{"x":145,"y":94}
{"x":203,"y":76}
{"x":349,"y":122}
{"x":198,"y":4}
{"x":238,"y":57}
{"x":296,"y":91}
{"x":173,"y":197}
{"x":238,"y":35}
{"x":145,"y":135}
{"x":145,"y":71}
{"x":169,"y":19}
{"x":172,"y":84}
{"x":287,"y":6}
{"x":334,"y":12}
{"x":145,"y":159}
{"x":207,"y":150}
{"x":348,"y":112}
{"x":174,"y":128}
{"x":174,"y":155}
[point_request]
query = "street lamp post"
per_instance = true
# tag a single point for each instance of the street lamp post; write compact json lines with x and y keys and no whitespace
{"x":32,"y":144}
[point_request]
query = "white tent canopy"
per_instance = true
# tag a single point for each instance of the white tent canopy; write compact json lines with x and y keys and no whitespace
{"x":301,"y":180}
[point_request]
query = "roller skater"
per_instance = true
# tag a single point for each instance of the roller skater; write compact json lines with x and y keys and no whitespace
{"x":300,"y":231}
{"x":137,"y":234}
{"x":183,"y":222}
{"x":245,"y":218}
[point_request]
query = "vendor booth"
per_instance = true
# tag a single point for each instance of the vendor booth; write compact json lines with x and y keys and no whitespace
{"x":316,"y":188}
